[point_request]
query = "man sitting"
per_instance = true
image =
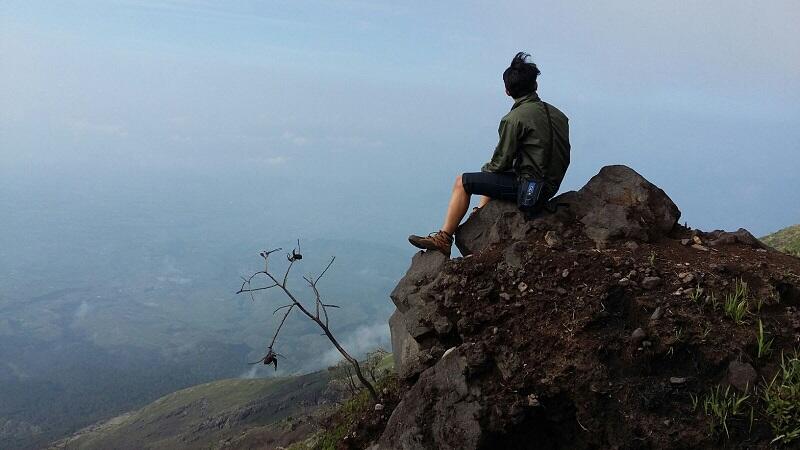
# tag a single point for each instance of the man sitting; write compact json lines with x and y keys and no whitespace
{"x":534,"y":144}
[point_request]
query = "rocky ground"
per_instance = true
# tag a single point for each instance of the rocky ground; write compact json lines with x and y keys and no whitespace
{"x":602,"y":325}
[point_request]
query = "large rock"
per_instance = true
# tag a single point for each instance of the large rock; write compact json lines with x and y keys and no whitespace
{"x":441,"y":411}
{"x":408,"y":360}
{"x":617,"y":203}
{"x":416,"y":322}
{"x":413,"y":296}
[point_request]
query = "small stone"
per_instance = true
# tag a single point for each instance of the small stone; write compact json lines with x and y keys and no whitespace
{"x":646,"y":344}
{"x":561,"y":291}
{"x":565,"y":273}
{"x":666,"y":422}
{"x":522,"y":287}
{"x":686,"y":241}
{"x":378,"y":407}
{"x":697,"y":240}
{"x":688,"y":278}
{"x":677,"y":380}
{"x":626,"y":282}
{"x":385,"y":391}
{"x":651,"y":282}
{"x":505,"y":296}
{"x":494,"y":330}
{"x":632,"y":246}
{"x":638,"y":335}
{"x":616,"y":275}
{"x":552,"y":239}
{"x":657,"y":314}
{"x":741,"y":375}
{"x":533,"y":400}
{"x":702,"y":248}
{"x":678,"y":292}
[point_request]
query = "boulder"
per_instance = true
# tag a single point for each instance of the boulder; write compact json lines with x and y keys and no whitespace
{"x":741,"y":236}
{"x":617,"y":203}
{"x":441,"y":411}
{"x":413,"y":295}
{"x":408,"y":361}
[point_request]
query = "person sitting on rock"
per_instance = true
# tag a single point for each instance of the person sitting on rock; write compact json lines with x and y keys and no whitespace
{"x":534,"y":144}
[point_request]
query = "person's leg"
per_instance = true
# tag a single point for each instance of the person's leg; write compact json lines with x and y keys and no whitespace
{"x":500,"y":186}
{"x":484,"y":200}
{"x":459,"y":202}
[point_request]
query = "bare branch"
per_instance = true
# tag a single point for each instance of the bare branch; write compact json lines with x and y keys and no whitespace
{"x":263,"y":288}
{"x":326,"y":269}
{"x":272,"y":357}
{"x":281,"y":307}
{"x":288,"y":269}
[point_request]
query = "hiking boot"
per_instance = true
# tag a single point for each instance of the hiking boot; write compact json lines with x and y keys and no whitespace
{"x":440,"y":240}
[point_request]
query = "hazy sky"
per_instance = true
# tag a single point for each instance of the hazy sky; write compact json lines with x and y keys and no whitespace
{"x":353,"y":117}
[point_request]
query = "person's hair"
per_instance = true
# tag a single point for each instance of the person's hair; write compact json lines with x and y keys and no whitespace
{"x":520,"y":77}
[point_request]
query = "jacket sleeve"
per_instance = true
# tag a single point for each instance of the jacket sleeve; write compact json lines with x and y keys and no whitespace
{"x":503,"y":157}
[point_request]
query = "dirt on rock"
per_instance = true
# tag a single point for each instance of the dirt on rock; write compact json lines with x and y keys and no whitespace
{"x":587,"y":344}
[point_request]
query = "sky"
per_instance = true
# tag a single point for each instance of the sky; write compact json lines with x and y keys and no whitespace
{"x":350,"y":119}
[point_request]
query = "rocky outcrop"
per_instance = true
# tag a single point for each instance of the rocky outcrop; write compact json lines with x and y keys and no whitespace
{"x":586,"y":327}
{"x":441,"y":410}
{"x":617,"y":203}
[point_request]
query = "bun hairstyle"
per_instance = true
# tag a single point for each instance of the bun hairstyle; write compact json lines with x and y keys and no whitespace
{"x":520,"y":77}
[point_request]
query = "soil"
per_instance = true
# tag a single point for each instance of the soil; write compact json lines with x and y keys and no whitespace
{"x":551,"y":342}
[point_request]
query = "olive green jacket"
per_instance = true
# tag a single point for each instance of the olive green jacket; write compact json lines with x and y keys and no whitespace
{"x":525,"y":143}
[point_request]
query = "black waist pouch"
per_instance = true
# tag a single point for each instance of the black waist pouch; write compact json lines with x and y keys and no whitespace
{"x":529,"y":194}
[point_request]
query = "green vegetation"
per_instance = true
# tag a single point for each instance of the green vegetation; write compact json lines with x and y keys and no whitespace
{"x":782,"y":399}
{"x":786,"y":240}
{"x":764,"y":345}
{"x":735,"y":305}
{"x":181,"y":419}
{"x":353,"y":409}
{"x":722,"y":405}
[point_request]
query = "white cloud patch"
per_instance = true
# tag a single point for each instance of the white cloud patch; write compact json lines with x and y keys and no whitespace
{"x":84,"y":127}
{"x":82,"y":310}
{"x":295,"y":139}
{"x":364,"y":339}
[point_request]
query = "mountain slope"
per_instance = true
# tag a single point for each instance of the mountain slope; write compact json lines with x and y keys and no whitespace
{"x":786,"y":240}
{"x":244,"y":413}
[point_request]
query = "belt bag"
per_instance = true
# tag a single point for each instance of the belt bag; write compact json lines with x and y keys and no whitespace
{"x":528,"y":193}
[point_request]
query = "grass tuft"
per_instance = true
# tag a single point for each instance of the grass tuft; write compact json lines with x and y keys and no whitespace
{"x":735,"y":305}
{"x":764,"y":345}
{"x":782,"y":400}
{"x":722,"y":405}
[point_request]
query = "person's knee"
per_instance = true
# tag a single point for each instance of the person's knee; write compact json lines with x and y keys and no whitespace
{"x":459,"y":184}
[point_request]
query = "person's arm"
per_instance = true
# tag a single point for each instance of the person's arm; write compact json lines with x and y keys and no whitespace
{"x":506,"y":150}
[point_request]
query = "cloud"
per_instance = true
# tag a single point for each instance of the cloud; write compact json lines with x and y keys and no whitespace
{"x":295,"y":139}
{"x":84,"y":127}
{"x":276,"y":160}
{"x":364,"y":339}
{"x":250,"y":373}
{"x":83,"y":310}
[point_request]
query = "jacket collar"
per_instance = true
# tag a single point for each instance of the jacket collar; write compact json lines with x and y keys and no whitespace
{"x":532,"y":97}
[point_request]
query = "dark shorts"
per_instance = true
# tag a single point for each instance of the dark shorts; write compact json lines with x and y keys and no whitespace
{"x":502,"y":186}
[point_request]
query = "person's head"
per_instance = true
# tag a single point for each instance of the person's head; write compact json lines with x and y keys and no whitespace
{"x":520,"y":77}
